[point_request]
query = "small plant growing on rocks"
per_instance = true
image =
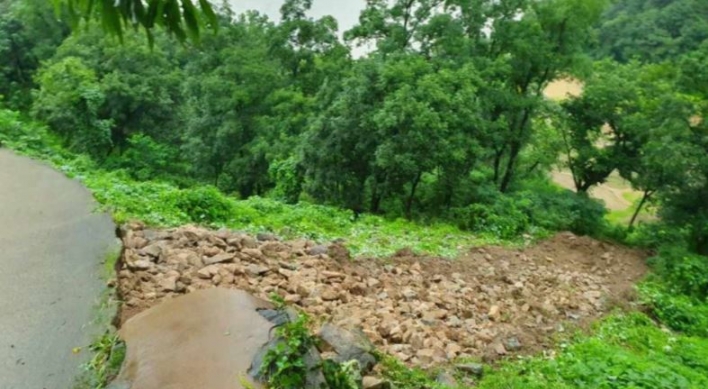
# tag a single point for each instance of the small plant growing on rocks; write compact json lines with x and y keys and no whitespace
{"x":284,"y":365}
{"x":109,"y":353}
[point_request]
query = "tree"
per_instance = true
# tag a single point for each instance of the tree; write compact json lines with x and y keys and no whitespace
{"x":29,"y":34}
{"x":68,"y":100}
{"x":226,"y":91}
{"x":180,"y":18}
{"x":518,"y":47}
{"x":600,"y":130}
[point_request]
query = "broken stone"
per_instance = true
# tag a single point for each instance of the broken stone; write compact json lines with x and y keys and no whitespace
{"x":370,"y":382}
{"x":169,"y":284}
{"x":141,"y":264}
{"x":476,"y":369}
{"x":444,"y":378}
{"x":254,"y":270}
{"x":220,"y":258}
{"x":152,"y":250}
{"x":288,"y":265}
{"x":512,"y":344}
{"x":494,"y":312}
{"x":266,"y":237}
{"x":409,"y":294}
{"x":247,"y":242}
{"x":330,"y":295}
{"x":292,"y":298}
{"x":317,"y":250}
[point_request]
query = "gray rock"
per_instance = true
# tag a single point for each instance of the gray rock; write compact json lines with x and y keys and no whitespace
{"x":370,"y":382}
{"x":279,"y":316}
{"x":248,"y":242}
{"x":349,"y":344}
{"x":266,"y":237}
{"x":446,"y":379}
{"x":152,"y":250}
{"x":471,"y":368}
{"x":254,"y":270}
{"x":118,"y":385}
{"x":141,"y":264}
{"x":318,"y":250}
{"x":219,"y":258}
{"x":512,"y":344}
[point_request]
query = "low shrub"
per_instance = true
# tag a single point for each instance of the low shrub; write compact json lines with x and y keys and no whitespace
{"x":204,"y":205}
{"x":547,"y":208}
{"x":683,"y":271}
{"x":678,"y":312}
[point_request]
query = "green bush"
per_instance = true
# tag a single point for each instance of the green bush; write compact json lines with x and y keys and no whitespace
{"x":656,"y":235}
{"x":545,"y":208}
{"x":678,"y":312}
{"x":504,"y":218}
{"x":564,"y":210}
{"x":685,"y":272}
{"x":146,"y":159}
{"x":204,"y":205}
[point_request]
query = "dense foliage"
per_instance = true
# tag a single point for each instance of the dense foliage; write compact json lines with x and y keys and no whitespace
{"x":652,"y":30}
{"x":440,"y":118}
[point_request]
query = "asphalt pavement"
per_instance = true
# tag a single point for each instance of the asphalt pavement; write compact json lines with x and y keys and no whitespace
{"x":52,"y":243}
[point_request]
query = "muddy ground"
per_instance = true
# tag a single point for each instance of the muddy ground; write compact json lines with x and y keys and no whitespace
{"x":488,"y":303}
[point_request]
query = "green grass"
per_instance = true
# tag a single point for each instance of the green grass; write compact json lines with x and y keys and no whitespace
{"x":622,"y":217}
{"x":624,"y":351}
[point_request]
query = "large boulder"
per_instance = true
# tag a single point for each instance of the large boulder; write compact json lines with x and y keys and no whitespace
{"x":206,"y":339}
{"x":349,"y":344}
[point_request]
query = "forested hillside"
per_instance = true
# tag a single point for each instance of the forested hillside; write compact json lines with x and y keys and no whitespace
{"x":442,"y":127}
{"x":652,"y":30}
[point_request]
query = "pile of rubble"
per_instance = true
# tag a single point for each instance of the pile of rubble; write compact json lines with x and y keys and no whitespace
{"x":488,"y":303}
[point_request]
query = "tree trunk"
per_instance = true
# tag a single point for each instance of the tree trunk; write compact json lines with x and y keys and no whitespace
{"x":411,"y":196}
{"x":645,"y":198}
{"x":497,"y":163}
{"x":510,"y":166}
{"x":375,"y":205}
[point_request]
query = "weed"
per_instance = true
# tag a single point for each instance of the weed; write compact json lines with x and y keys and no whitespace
{"x":108,"y":355}
{"x":284,"y":366}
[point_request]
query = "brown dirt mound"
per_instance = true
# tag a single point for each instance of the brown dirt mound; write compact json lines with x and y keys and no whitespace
{"x":488,"y":303}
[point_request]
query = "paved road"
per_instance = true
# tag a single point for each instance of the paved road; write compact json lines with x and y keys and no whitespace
{"x":51,"y":246}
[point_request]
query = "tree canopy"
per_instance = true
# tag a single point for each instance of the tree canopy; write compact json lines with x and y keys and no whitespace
{"x":445,"y":118}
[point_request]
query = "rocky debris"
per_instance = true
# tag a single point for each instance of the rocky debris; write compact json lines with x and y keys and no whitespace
{"x":488,"y":303}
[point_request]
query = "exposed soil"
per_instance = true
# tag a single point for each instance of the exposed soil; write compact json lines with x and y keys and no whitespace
{"x":488,"y":303}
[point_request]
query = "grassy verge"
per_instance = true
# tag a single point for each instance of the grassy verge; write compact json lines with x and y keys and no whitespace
{"x":624,"y":351}
{"x":107,"y":352}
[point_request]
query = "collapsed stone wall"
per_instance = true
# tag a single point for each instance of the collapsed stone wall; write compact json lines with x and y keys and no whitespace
{"x":488,"y":303}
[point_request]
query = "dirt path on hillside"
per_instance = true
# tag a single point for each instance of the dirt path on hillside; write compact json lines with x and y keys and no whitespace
{"x":489,"y":303}
{"x":51,"y":246}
